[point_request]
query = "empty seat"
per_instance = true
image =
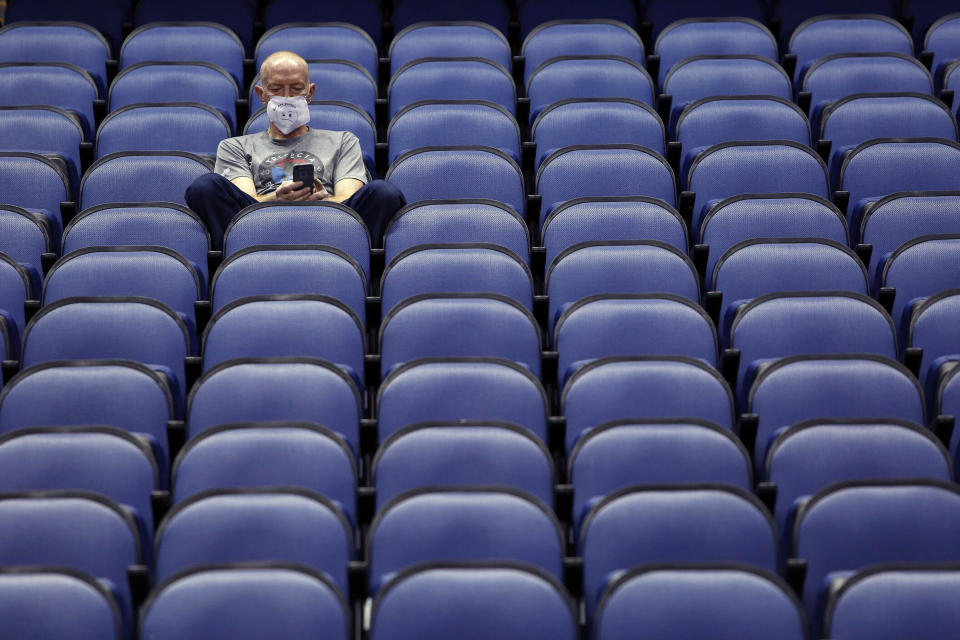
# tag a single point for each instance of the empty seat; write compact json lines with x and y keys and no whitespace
{"x":920,"y":268}
{"x":51,"y":131}
{"x":662,"y":13}
{"x":463,"y":221}
{"x":462,"y":453}
{"x":446,"y":39}
{"x":941,"y":40}
{"x":461,"y":523}
{"x":272,"y":389}
{"x":320,"y":40}
{"x":644,"y":387}
{"x":74,"y":42}
{"x":584,"y":37}
{"x":147,"y":176}
{"x":933,"y":329}
{"x":611,"y":218}
{"x":887,"y":602}
{"x":15,"y":290}
{"x":459,"y":325}
{"x":255,"y":525}
{"x":25,"y":239}
{"x":603,"y":170}
{"x":705,"y":523}
{"x":719,"y":602}
{"x":467,"y":268}
{"x":363,"y":16}
{"x":451,"y":79}
{"x":195,"y":128}
{"x":591,"y":76}
{"x":951,"y":79}
{"x":806,"y":387}
{"x":536,"y":12}
{"x":457,"y":173}
{"x":179,"y":42}
{"x":35,"y":183}
{"x":622,"y":453}
{"x":60,"y":602}
{"x":107,"y":16}
{"x":55,"y":84}
{"x":792,"y":15}
{"x":452,"y":389}
{"x":435,"y":123}
{"x":338,"y":80}
{"x":624,"y":266}
{"x":237,"y":15}
{"x":408,"y":12}
{"x":947,"y":400}
{"x":806,"y":457}
{"x":243,"y":602}
{"x":512,"y":601}
{"x":698,"y":36}
{"x":116,"y":393}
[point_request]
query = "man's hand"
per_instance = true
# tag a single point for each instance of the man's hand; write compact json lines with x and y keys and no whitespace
{"x":295,"y":191}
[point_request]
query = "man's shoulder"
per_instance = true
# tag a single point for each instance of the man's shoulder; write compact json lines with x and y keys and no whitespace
{"x":243,"y":141}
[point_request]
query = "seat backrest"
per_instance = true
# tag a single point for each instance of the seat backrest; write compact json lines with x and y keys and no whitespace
{"x":45,"y":130}
{"x":456,"y":221}
{"x":24,"y":238}
{"x":941,"y":40}
{"x":236,"y":16}
{"x":107,"y":16}
{"x":255,"y":525}
{"x":461,"y":453}
{"x":286,"y":325}
{"x":467,"y":268}
{"x":663,"y":13}
{"x":173,"y":42}
{"x":267,"y":454}
{"x":585,"y":37}
{"x":641,"y":387}
{"x":55,"y":84}
{"x":463,"y":523}
{"x":932,"y":328}
{"x":446,"y":39}
{"x":622,"y":453}
{"x":436,"y":123}
{"x":920,"y":268}
{"x":535,"y":12}
{"x":661,"y":524}
{"x":632,"y":325}
{"x":15,"y":290}
{"x":35,"y":183}
{"x":451,"y":79}
{"x":889,"y":601}
{"x":457,"y":325}
{"x":338,"y":80}
{"x":147,"y":176}
{"x":587,"y":76}
{"x":58,"y":601}
{"x":319,"y":40}
{"x":457,"y":173}
{"x":270,"y":389}
{"x":849,"y":449}
{"x":512,"y":601}
{"x":718,"y":602}
{"x":793,"y":15}
{"x":119,"y":393}
{"x":712,"y":37}
{"x":496,"y":14}
{"x":842,"y":74}
{"x":243,"y":602}
{"x":624,"y":266}
{"x":191,"y":127}
{"x":73,"y":42}
{"x":452,"y":389}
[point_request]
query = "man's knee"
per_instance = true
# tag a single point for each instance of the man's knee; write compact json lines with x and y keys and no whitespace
{"x":385,"y":194}
{"x":207,"y":185}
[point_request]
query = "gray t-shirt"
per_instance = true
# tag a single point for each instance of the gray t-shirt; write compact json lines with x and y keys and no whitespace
{"x":335,"y":155}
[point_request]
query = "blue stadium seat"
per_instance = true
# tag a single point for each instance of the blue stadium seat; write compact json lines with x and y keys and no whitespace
{"x":456,"y":221}
{"x":535,"y":12}
{"x":951,"y":80}
{"x":53,"y":84}
{"x":194,"y":128}
{"x":715,"y":602}
{"x":256,"y":525}
{"x":437,"y":123}
{"x":300,"y":223}
{"x":566,"y":77}
{"x":459,"y":325}
{"x":593,"y":121}
{"x":116,"y":393}
{"x":270,"y":389}
{"x":408,"y":12}
{"x":466,"y":268}
{"x":611,"y":218}
{"x":73,"y":42}
{"x":622,"y":453}
{"x":146,"y":176}
{"x":25,"y":239}
{"x":363,"y":17}
{"x":443,"y":524}
{"x":60,"y":602}
{"x":244,"y":602}
{"x":15,"y":290}
{"x":462,"y":453}
{"x":933,"y":329}
{"x":446,"y":39}
{"x":320,"y":40}
{"x":624,"y":266}
{"x":267,"y":454}
{"x":792,"y":14}
{"x":603,"y":170}
{"x":457,"y":173}
{"x":50,"y":131}
{"x":699,"y":36}
{"x":336,"y":79}
{"x":452,"y":389}
{"x":893,"y":601}
{"x":806,"y":457}
{"x":583,"y":37}
{"x":920,"y":268}
{"x":642,"y":387}
{"x":632,"y":325}
{"x":511,"y":601}
{"x":290,"y":269}
{"x":286,"y":325}
{"x":942,"y":40}
{"x":706,"y":523}
{"x":107,"y":16}
{"x":37,"y":184}
{"x":236,"y":15}
{"x":180,"y":42}
{"x":176,"y":81}
{"x":852,"y":525}
{"x":451,"y":79}
{"x":662,"y":13}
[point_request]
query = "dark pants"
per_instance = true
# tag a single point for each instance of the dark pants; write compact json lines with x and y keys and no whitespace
{"x":216,"y":200}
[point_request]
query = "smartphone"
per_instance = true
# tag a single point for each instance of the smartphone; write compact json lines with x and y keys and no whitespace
{"x":304,"y":173}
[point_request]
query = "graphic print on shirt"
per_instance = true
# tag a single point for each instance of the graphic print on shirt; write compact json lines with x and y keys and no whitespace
{"x":279,"y":167}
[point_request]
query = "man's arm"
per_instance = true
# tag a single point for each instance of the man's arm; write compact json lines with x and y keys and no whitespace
{"x":286,"y":191}
{"x":344,"y":189}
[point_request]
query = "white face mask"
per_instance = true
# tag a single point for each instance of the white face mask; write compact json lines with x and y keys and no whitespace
{"x":288,"y":114}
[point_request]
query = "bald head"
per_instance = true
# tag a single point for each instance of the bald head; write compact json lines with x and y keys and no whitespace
{"x":285,"y":63}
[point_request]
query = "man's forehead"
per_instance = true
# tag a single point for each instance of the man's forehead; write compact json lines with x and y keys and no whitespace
{"x":285,"y":70}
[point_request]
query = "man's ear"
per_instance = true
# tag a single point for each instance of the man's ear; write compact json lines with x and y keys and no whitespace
{"x":259,"y":91}
{"x":313,"y":88}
